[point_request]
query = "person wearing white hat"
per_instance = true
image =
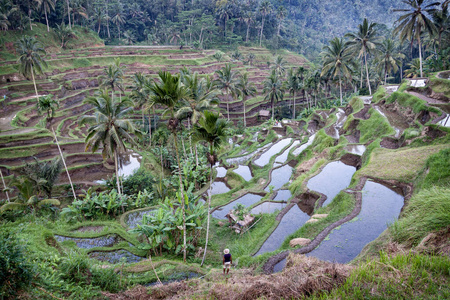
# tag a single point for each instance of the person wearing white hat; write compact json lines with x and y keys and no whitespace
{"x":227,"y":260}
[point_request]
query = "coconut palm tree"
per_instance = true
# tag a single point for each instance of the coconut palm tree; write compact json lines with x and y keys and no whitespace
{"x":293,"y":85}
{"x":118,"y":19}
{"x":48,"y":105}
{"x":109,"y":127}
{"x":281,"y":15}
{"x":213,"y":130}
{"x":47,"y":6}
{"x":65,"y":34}
{"x":246,"y":89}
{"x":337,"y":60}
{"x":390,"y":58}
{"x":416,"y":19}
{"x":279,"y":65}
{"x":273,"y":88}
{"x":30,"y":60}
{"x":265,"y":8}
{"x":441,"y":20}
{"x":112,"y":77}
{"x":138,"y":94}
{"x":168,"y":92}
{"x":363,"y":42}
{"x":226,"y":81}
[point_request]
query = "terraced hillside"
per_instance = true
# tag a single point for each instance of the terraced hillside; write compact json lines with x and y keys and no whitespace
{"x":73,"y":75}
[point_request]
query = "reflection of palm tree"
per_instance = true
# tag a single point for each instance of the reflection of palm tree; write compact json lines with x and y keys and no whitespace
{"x":364,"y":41}
{"x":273,"y":90}
{"x":169,"y":92}
{"x":109,"y":127}
{"x":337,"y":60}
{"x":414,"y":21}
{"x":226,"y":81}
{"x":246,"y":89}
{"x":30,"y":60}
{"x":265,"y":8}
{"x":212,"y":130}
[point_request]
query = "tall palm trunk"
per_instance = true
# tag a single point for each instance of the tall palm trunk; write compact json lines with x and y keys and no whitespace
{"x":293,"y":113}
{"x":367,"y":72}
{"x":68,"y":14}
{"x":34,"y":82}
{"x":260,"y":36}
{"x":273,"y":109}
{"x":362,"y":74}
{"x":46,"y":19}
{"x":420,"y":56}
{"x":228,"y":106}
{"x":340,"y":88}
{"x":245,"y":122}
{"x":209,"y":208}
{"x":248,"y":31}
{"x":183,"y":209}
{"x":150,"y":129}
{"x":117,"y":171}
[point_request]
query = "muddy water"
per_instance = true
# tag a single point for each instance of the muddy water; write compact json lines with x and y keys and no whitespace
{"x":291,"y":221}
{"x":283,"y":156}
{"x":135,"y":218}
{"x":265,"y":157}
{"x":268,"y":207}
{"x":247,"y":200}
{"x":218,"y":187}
{"x":280,"y":176}
{"x":300,"y":149}
{"x":88,"y":243}
{"x":244,"y":171}
{"x":355,"y":149}
{"x":332,"y":179}
{"x":114,"y":257}
{"x":380,"y":206}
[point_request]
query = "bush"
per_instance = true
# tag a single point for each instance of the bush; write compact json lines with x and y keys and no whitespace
{"x":15,"y":271}
{"x":139,"y":181}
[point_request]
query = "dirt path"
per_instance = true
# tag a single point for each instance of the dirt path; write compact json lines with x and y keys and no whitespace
{"x":425,"y":98}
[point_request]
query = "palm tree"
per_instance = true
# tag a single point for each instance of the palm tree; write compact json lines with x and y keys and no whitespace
{"x":212,"y":130}
{"x":118,"y":19}
{"x":47,"y":104}
{"x":47,"y":6}
{"x":293,"y":85}
{"x":251,"y":57}
{"x":168,"y":93}
{"x":411,"y":24}
{"x":109,"y":127}
{"x":246,"y":89}
{"x":337,"y":60}
{"x":281,"y":15}
{"x":364,"y":41}
{"x":273,"y":89}
{"x":226,"y":81}
{"x":65,"y":34}
{"x":279,"y":65}
{"x":441,"y":20}
{"x":138,"y":94}
{"x":265,"y":8}
{"x":249,"y":18}
{"x":390,"y":58}
{"x":68,"y":14}
{"x":30,"y":60}
{"x":414,"y":69}
{"x":112,"y":77}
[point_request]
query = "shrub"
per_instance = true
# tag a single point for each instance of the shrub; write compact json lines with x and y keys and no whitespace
{"x":138,"y":181}
{"x":15,"y":271}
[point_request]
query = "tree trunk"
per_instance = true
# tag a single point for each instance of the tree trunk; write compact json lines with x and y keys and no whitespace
{"x":117,"y":171}
{"x":228,"y":107}
{"x":248,"y":31}
{"x":68,"y":14}
{"x":4,"y":185}
{"x":98,"y":30}
{"x":209,"y":208}
{"x":118,"y":27}
{"x":360,"y":85}
{"x":340,"y":88}
{"x":367,"y":72}
{"x":65,"y":166}
{"x":196,"y":156}
{"x":107,"y":19}
{"x":150,"y":129}
{"x":260,"y":36}
{"x":245,"y":122}
{"x":29,"y":18}
{"x":420,"y":56}
{"x":34,"y":82}
{"x":273,"y":108}
{"x":46,"y":20}
{"x":182,"y":197}
{"x":293,"y":113}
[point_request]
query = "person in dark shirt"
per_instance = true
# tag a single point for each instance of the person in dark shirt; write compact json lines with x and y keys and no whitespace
{"x":227,"y":261}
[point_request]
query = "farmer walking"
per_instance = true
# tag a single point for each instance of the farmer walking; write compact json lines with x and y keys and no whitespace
{"x":227,"y":261}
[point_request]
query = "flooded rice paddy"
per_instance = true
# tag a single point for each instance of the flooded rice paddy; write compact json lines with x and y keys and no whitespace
{"x":247,"y":200}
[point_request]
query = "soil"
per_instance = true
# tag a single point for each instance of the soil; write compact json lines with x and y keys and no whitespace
{"x":363,"y":113}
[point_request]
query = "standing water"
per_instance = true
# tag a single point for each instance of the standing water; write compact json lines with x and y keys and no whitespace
{"x":380,"y":206}
{"x":247,"y":200}
{"x":335,"y":177}
{"x":244,"y":171}
{"x":280,"y":177}
{"x":265,"y":157}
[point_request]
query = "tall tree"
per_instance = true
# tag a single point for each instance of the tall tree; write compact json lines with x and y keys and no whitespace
{"x":363,"y":42}
{"x":416,"y":19}
{"x":30,"y":60}
{"x":112,"y":77}
{"x":281,"y":15}
{"x":336,"y":59}
{"x":226,"y":81}
{"x":47,"y":6}
{"x":48,"y":105}
{"x":246,"y":89}
{"x":109,"y":127}
{"x":118,"y":20}
{"x":293,"y":85}
{"x":213,"y":130}
{"x":390,"y":58}
{"x":168,"y":92}
{"x":273,"y":89}
{"x":279,"y":65}
{"x":441,"y":20}
{"x":265,"y":9}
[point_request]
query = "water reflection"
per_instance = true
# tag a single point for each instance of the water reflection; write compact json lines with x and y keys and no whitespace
{"x":247,"y":200}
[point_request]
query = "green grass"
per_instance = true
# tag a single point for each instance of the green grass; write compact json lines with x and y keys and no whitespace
{"x":427,"y":211}
{"x":379,"y":94}
{"x":407,"y":100}
{"x":437,"y":170}
{"x":374,"y":127}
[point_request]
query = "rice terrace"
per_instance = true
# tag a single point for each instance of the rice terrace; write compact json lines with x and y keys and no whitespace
{"x":141,"y":141}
